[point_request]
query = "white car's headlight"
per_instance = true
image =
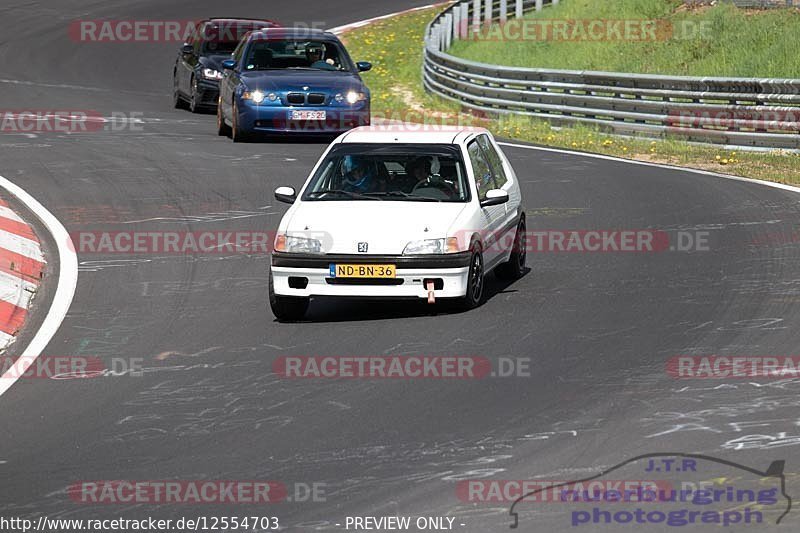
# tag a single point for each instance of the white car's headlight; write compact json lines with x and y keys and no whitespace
{"x":211,"y":74}
{"x":432,"y":246}
{"x":297,"y":245}
{"x":254,"y":96}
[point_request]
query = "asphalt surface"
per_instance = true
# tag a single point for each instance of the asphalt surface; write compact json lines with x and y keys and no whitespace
{"x":597,"y":327}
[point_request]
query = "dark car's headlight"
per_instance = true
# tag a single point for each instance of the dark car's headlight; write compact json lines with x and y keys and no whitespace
{"x":211,"y":74}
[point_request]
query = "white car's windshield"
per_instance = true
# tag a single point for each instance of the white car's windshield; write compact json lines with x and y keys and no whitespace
{"x":414,"y":173}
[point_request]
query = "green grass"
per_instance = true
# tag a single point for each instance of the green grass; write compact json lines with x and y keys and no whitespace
{"x":737,"y":42}
{"x":395,"y":48}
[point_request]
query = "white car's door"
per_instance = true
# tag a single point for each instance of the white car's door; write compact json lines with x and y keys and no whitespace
{"x":506,"y":180}
{"x":492,"y":217}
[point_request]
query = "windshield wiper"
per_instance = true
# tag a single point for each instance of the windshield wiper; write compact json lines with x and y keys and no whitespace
{"x":402,"y":194}
{"x":351,"y":194}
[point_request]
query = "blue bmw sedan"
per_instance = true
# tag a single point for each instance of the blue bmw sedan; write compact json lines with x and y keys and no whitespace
{"x":291,"y":80}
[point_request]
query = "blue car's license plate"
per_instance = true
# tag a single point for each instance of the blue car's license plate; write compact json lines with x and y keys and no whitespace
{"x":307,"y":115}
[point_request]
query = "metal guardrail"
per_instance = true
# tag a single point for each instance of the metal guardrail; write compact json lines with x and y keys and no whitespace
{"x":736,"y":111}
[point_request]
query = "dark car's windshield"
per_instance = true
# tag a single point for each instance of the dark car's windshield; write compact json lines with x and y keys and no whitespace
{"x":219,"y":47}
{"x":412,"y":173}
{"x":271,"y":54}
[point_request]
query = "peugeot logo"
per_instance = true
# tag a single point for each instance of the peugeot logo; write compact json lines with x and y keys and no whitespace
{"x":363,"y":247}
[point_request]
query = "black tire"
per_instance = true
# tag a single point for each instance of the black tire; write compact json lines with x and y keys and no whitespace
{"x":514,"y":268}
{"x":177,"y":99}
{"x":194,"y":106}
{"x":223,"y":130}
{"x":286,"y":308}
{"x":237,"y":135}
{"x":475,"y":280}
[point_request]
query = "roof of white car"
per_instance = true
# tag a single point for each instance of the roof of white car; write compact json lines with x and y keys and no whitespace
{"x":410,"y":134}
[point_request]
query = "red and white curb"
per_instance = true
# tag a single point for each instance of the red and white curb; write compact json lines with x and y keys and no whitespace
{"x":21,"y":266}
{"x":21,"y":269}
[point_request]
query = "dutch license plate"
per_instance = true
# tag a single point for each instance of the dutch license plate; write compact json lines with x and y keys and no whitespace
{"x":363,"y":271}
{"x":307,"y":115}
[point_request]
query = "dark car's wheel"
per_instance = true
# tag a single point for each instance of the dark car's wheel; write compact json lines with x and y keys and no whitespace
{"x":475,"y":281}
{"x":237,"y":134}
{"x":177,"y":99}
{"x":286,"y":308}
{"x":223,"y":130}
{"x":194,"y":105}
{"x":514,"y":268}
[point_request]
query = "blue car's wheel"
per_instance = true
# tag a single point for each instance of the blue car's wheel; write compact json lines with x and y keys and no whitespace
{"x":223,"y":130}
{"x":237,"y":134}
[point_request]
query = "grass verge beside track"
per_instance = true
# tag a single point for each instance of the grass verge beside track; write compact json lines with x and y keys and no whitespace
{"x":395,"y":48}
{"x":704,"y":40}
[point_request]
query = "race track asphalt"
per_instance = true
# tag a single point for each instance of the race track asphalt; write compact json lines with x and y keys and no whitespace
{"x":598,"y":328}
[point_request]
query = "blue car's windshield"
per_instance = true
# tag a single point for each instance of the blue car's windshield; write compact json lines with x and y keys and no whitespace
{"x":278,"y":54}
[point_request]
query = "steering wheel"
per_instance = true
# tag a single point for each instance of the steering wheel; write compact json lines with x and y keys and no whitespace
{"x":440,"y":189}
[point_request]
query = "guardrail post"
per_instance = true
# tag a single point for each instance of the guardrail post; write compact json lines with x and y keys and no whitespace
{"x":555,"y":2}
{"x":518,"y":9}
{"x":503,"y":11}
{"x":539,"y":5}
{"x":456,"y":22}
{"x":488,"y":15}
{"x":465,"y":20}
{"x":448,"y":31}
{"x":476,"y":15}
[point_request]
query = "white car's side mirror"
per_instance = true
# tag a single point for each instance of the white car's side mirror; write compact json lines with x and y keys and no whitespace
{"x":286,"y":195}
{"x":495,"y":197}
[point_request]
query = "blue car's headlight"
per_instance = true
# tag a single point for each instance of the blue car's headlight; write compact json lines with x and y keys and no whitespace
{"x":258,"y":97}
{"x":351,"y":97}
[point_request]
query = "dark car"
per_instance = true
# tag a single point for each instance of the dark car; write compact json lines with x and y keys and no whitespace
{"x":198,"y":68}
{"x":291,"y":80}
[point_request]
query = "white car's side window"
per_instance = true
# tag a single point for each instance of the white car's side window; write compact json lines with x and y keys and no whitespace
{"x":484,"y":180}
{"x":495,"y":161}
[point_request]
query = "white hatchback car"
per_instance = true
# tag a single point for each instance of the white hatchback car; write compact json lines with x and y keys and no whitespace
{"x":392,"y":213}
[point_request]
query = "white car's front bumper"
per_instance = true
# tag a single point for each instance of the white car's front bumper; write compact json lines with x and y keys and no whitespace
{"x":310,"y":276}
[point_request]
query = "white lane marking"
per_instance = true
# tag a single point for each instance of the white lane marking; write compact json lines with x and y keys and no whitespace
{"x":15,"y":290}
{"x":354,"y":25}
{"x":8,"y":213}
{"x":6,"y":339}
{"x":67,"y":282}
{"x":785,"y":187}
{"x":20,"y":245}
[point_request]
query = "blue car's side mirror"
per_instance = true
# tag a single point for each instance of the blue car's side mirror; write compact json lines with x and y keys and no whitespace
{"x":229,"y":64}
{"x":364,"y":66}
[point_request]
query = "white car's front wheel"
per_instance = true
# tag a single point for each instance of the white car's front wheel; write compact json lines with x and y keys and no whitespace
{"x":475,"y":280}
{"x":286,"y":308}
